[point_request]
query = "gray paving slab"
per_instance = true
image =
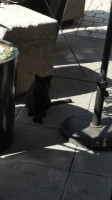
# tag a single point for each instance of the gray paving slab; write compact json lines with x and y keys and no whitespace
{"x":95,"y":19}
{"x":97,"y":163}
{"x":63,"y":61}
{"x":83,"y":33}
{"x":103,"y":16}
{"x":60,"y":158}
{"x":98,"y":35}
{"x":63,"y":51}
{"x":60,"y":37}
{"x":29,"y":137}
{"x":66,"y":87}
{"x":84,"y":41}
{"x":24,"y":181}
{"x":54,"y":116}
{"x":17,"y":110}
{"x":74,"y":71}
{"x":89,"y":50}
{"x":83,"y":186}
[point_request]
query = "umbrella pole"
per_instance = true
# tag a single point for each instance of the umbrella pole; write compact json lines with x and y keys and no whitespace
{"x":102,"y":83}
{"x":79,"y":129}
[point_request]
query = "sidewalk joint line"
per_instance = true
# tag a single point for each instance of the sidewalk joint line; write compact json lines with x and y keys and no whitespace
{"x":67,"y":180}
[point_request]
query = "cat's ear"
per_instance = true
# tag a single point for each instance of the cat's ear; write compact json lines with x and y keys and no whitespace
{"x":36,"y":77}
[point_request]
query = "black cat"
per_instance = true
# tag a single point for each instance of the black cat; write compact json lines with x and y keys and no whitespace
{"x":37,"y":98}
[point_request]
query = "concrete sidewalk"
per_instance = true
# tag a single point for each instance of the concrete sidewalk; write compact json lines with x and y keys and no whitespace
{"x":41,"y":164}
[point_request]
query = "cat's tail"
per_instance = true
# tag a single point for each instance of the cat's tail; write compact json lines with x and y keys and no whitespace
{"x":53,"y":103}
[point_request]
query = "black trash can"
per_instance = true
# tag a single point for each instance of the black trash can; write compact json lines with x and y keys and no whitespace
{"x":51,"y":8}
{"x":8,"y":68}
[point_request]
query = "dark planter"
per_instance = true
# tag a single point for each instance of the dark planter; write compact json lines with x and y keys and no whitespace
{"x":8,"y":68}
{"x":51,"y":8}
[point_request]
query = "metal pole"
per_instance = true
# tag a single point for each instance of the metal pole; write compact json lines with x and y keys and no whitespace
{"x":78,"y":129}
{"x":102,"y":83}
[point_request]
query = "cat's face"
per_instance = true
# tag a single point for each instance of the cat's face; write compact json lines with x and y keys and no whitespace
{"x":43,"y":82}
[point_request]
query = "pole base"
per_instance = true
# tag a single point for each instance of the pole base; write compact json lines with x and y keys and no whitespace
{"x":77,"y":130}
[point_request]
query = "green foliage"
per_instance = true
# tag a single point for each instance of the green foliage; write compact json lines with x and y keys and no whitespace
{"x":6,"y":53}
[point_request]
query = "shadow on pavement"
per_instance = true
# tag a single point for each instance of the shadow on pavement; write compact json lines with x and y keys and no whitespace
{"x":31,"y":136}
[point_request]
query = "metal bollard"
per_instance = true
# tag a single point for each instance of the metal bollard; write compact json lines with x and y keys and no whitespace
{"x":8,"y":68}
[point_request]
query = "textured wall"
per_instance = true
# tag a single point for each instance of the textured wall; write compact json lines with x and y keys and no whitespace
{"x":35,"y":35}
